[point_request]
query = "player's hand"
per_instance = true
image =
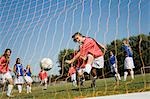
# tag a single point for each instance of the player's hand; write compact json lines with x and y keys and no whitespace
{"x":68,"y":61}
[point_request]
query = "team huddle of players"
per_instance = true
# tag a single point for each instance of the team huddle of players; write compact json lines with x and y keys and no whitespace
{"x":90,"y":52}
{"x":89,"y":57}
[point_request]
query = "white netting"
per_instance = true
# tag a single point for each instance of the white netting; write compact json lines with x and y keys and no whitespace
{"x":34,"y":29}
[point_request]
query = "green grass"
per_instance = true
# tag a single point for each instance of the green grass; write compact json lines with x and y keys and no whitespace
{"x":104,"y":87}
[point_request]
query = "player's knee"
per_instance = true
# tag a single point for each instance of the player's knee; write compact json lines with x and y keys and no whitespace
{"x":11,"y":82}
{"x":80,"y":74}
{"x":90,"y":59}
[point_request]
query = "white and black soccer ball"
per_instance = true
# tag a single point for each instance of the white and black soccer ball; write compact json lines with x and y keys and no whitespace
{"x":46,"y":64}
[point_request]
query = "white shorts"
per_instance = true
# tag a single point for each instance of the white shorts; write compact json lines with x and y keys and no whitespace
{"x":28,"y":79}
{"x":114,"y":68}
{"x":128,"y":63}
{"x":98,"y":62}
{"x":73,"y":77}
{"x":44,"y":80}
{"x":6,"y":76}
{"x":19,"y":80}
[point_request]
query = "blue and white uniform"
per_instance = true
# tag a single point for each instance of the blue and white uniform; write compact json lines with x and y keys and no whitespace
{"x":128,"y":63}
{"x":27,"y":77}
{"x":113,"y":64}
{"x":19,"y":74}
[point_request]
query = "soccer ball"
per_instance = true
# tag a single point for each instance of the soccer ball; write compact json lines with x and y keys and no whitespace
{"x":46,"y":64}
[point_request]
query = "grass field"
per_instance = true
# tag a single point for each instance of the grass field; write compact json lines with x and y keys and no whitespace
{"x":104,"y":87}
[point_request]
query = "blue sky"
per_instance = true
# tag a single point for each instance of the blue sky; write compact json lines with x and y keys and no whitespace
{"x":35,"y":29}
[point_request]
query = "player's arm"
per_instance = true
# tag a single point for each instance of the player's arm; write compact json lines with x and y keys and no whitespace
{"x":25,"y":72}
{"x":74,"y":58}
{"x":103,"y":46}
{"x":14,"y":69}
{"x":30,"y":70}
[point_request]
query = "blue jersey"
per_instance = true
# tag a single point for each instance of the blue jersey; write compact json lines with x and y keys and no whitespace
{"x":112,"y":59}
{"x":28,"y":72}
{"x":127,"y":50}
{"x":19,"y":69}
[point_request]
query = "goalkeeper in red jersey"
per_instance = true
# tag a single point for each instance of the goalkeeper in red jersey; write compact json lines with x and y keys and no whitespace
{"x":90,"y":51}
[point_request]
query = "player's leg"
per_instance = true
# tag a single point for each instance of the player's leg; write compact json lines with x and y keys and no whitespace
{"x":19,"y":88}
{"x":3,"y":82}
{"x":88,"y":65}
{"x":45,"y":83}
{"x":131,"y":63}
{"x":27,"y":88}
{"x":132,"y":73}
{"x":80,"y":77}
{"x":117,"y":73}
{"x":126,"y":67}
{"x":30,"y":87}
{"x":125,"y":74}
{"x":98,"y":63}
{"x":94,"y":77}
{"x":73,"y":79}
{"x":20,"y":83}
{"x":10,"y":85}
{"x":29,"y":83}
{"x":82,"y":80}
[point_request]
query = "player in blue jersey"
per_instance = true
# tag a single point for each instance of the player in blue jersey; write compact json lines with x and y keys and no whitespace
{"x":28,"y":78}
{"x":128,"y":62}
{"x":18,"y":70}
{"x":113,"y":66}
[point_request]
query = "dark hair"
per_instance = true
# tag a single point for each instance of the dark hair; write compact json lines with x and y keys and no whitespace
{"x":73,"y":36}
{"x":17,"y":60}
{"x":6,"y":52}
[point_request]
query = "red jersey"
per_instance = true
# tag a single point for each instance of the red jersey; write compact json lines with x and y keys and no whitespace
{"x":3,"y":65}
{"x":72,"y":70}
{"x":43,"y":75}
{"x":90,"y":46}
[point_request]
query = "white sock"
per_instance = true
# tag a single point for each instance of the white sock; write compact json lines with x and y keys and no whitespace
{"x":30,"y":89}
{"x":45,"y":85}
{"x":116,"y":77}
{"x":20,"y":88}
{"x":88,"y":68}
{"x":74,"y":77}
{"x":125,"y":75}
{"x":27,"y":88}
{"x":119,"y":76}
{"x":132,"y":74}
{"x":10,"y":87}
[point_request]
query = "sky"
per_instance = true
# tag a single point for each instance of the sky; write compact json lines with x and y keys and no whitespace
{"x":34,"y":29}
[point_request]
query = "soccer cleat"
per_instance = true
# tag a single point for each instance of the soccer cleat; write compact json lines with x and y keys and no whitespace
{"x":45,"y":88}
{"x":10,"y":96}
{"x":74,"y":83}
